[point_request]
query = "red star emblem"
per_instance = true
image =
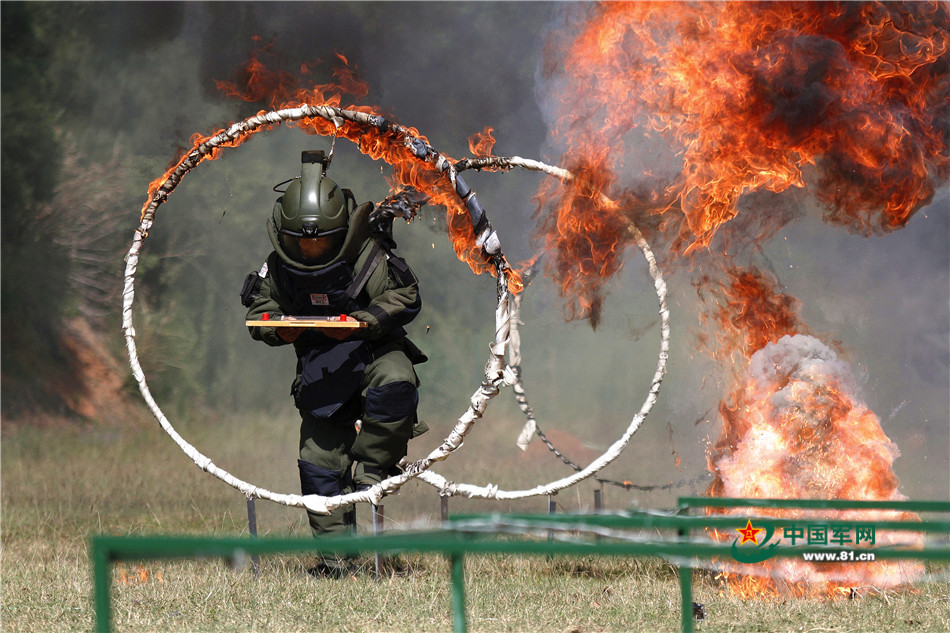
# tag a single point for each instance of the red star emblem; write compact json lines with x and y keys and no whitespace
{"x":749,"y":533}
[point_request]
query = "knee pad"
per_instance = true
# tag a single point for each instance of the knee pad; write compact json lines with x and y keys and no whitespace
{"x":315,"y":480}
{"x":392,"y":401}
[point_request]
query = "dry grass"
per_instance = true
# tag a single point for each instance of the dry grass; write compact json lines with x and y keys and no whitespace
{"x":62,"y":484}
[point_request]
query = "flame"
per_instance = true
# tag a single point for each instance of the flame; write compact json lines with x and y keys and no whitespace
{"x":137,"y":575}
{"x":681,"y":112}
{"x":481,"y":143}
{"x":583,"y":233}
{"x":744,"y":313}
{"x":794,"y":426}
{"x":257,"y":81}
{"x":846,"y":99}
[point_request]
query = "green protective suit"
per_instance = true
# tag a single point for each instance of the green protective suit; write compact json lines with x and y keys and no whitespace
{"x":357,"y":398}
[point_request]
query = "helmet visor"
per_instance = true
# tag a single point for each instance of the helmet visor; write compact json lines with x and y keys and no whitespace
{"x":311,"y":250}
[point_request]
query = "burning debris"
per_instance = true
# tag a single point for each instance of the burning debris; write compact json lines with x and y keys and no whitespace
{"x":699,"y":611}
{"x":137,"y":575}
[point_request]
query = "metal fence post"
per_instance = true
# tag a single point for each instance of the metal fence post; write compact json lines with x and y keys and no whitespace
{"x":686,"y":595}
{"x":102,"y":581}
{"x":252,"y":530}
{"x":686,"y":580}
{"x":377,"y":530}
{"x":552,"y":510}
{"x":458,"y":593}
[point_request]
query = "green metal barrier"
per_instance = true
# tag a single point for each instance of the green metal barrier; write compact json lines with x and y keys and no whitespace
{"x":685,"y":504}
{"x":631,"y":533}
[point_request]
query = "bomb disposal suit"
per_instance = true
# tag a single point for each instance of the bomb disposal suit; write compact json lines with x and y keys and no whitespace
{"x":356,"y":389}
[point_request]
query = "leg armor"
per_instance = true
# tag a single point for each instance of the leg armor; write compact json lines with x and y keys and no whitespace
{"x":325,"y":467}
{"x":390,"y":399}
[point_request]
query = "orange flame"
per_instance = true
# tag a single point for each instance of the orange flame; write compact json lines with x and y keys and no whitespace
{"x":283,"y":91}
{"x":257,"y":81}
{"x":747,"y":313}
{"x":845,"y":98}
{"x":481,"y":143}
{"x":794,"y":427}
{"x":584,"y":234}
{"x":137,"y":575}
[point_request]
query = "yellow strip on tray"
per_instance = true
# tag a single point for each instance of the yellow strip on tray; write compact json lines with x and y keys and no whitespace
{"x":323,"y":323}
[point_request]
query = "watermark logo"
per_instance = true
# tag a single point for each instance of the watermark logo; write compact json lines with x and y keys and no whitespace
{"x":755,"y":544}
{"x":761,"y":549}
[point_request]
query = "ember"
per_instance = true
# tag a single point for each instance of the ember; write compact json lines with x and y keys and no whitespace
{"x":137,"y":575}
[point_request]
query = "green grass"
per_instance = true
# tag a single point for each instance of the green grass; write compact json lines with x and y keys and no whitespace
{"x":62,"y":484}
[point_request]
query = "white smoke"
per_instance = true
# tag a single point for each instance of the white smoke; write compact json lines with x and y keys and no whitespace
{"x":796,"y":358}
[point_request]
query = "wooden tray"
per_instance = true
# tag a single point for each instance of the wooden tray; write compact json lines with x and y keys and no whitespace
{"x":317,"y":322}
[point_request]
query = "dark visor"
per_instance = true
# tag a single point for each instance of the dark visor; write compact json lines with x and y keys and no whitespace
{"x":312,"y":233}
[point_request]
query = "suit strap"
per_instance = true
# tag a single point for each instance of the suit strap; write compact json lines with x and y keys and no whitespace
{"x":359,"y":282}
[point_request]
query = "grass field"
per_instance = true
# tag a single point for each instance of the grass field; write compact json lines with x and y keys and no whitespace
{"x":60,"y":484}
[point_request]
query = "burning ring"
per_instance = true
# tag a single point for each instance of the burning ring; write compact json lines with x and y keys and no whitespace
{"x":353,"y":125}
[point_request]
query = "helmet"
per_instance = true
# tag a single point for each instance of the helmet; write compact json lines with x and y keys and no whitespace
{"x":311,"y":216}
